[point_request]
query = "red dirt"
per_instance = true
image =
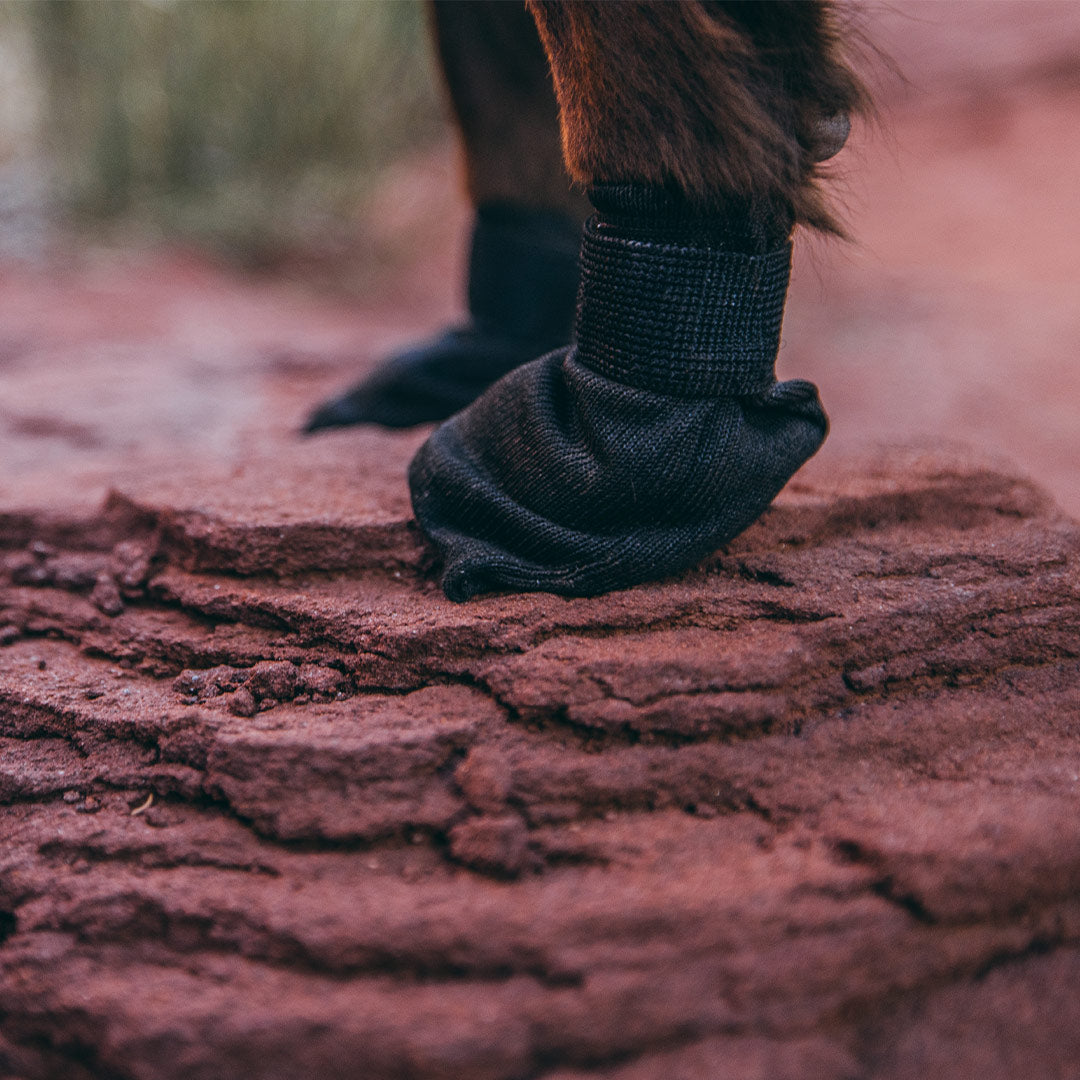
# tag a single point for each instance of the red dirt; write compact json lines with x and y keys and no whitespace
{"x":272,"y":806}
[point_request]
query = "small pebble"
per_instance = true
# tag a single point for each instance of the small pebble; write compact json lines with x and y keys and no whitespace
{"x":242,"y":703}
{"x":106,"y":596}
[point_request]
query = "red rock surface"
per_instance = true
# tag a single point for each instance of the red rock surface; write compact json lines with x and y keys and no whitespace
{"x":271,"y":807}
{"x":799,"y":813}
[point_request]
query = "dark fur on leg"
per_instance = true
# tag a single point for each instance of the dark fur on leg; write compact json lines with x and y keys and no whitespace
{"x":500,"y":92}
{"x":523,"y":265}
{"x":718,"y":100}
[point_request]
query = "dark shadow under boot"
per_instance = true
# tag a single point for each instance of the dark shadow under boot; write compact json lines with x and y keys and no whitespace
{"x":523,"y":280}
{"x":659,"y":435}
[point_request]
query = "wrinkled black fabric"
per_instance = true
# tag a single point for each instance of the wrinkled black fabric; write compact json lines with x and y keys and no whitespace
{"x":523,"y":279}
{"x":659,"y":435}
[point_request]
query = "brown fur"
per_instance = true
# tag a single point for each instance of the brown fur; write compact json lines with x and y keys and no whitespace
{"x":717,"y":99}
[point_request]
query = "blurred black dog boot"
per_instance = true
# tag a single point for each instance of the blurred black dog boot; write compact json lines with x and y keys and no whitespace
{"x":523,"y":280}
{"x":659,"y":435}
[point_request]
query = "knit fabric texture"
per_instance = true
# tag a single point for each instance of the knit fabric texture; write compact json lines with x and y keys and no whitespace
{"x":523,"y":279}
{"x":656,"y":437}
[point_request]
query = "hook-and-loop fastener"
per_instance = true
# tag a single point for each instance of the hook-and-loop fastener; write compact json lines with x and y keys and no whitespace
{"x":685,"y":319}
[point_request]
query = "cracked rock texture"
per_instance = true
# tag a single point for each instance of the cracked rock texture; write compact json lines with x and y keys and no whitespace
{"x":810,"y":811}
{"x":271,"y":808}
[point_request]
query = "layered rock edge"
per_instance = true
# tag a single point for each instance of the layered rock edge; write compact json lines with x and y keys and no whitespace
{"x":271,"y":805}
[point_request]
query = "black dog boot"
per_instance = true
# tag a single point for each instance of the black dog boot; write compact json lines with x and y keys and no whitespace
{"x":659,"y":435}
{"x":523,"y":280}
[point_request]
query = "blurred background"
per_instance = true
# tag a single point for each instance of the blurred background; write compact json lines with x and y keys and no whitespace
{"x":248,"y":127}
{"x":213,"y":213}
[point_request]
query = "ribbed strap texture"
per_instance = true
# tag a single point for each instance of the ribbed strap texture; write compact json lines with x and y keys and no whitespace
{"x":680,"y":318}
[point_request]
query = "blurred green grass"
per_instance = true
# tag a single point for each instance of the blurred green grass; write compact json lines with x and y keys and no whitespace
{"x":247,"y":125}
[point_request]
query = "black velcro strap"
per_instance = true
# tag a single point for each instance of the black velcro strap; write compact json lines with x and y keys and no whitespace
{"x":684,"y":319}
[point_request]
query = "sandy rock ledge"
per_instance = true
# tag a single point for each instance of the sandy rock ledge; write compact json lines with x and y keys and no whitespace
{"x":271,"y":807}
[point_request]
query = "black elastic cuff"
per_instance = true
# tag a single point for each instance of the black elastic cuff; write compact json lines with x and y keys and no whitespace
{"x":665,"y":215}
{"x":684,"y":314}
